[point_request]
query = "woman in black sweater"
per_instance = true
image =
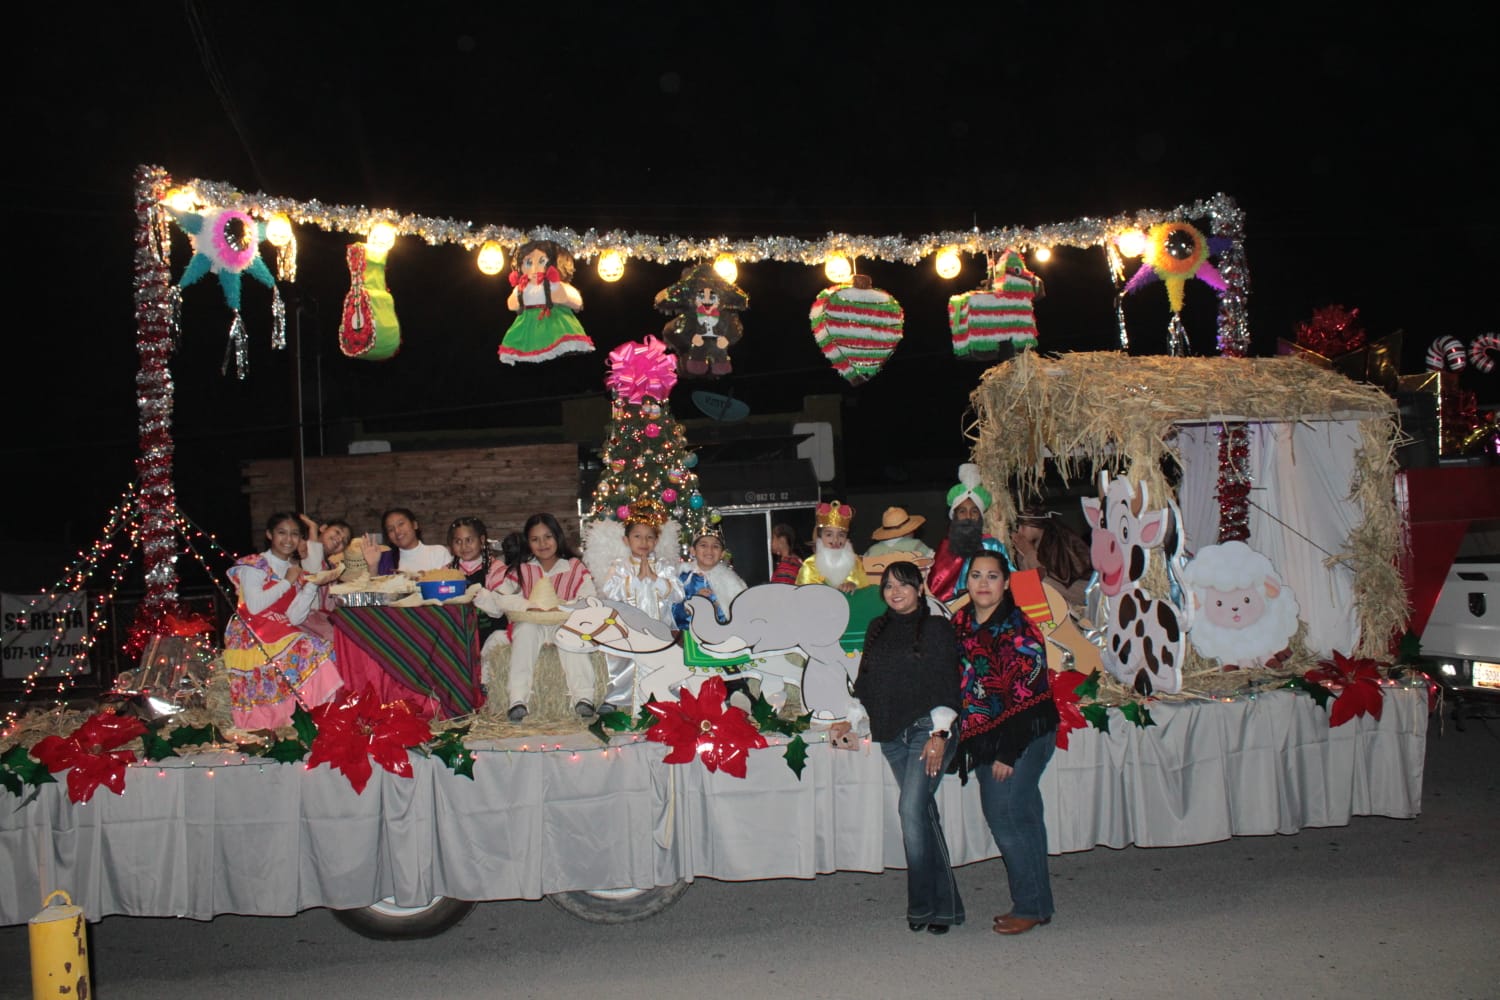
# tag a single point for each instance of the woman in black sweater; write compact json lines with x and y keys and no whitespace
{"x":908,"y":687}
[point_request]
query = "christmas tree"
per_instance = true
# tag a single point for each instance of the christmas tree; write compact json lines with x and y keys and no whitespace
{"x":646,"y":458}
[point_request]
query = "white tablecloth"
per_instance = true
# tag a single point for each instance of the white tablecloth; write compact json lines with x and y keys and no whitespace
{"x":271,"y":839}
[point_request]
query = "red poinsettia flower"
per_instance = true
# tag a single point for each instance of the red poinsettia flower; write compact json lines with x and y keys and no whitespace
{"x":91,"y":751}
{"x":1360,"y":680}
{"x":357,"y":727}
{"x":1065,"y":695}
{"x":703,"y":726}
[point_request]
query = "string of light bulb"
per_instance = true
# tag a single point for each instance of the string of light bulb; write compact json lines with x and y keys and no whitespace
{"x":381,"y":227}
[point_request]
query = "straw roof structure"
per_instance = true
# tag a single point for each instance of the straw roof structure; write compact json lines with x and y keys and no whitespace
{"x":1107,"y":410}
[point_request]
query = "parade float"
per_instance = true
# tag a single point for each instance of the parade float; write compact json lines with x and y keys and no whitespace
{"x":401,"y":812}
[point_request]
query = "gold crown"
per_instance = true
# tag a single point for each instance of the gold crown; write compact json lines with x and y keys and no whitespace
{"x":835,"y":515}
{"x":647,"y":512}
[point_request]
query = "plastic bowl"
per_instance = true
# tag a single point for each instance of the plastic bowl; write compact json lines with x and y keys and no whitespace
{"x":440,"y":590}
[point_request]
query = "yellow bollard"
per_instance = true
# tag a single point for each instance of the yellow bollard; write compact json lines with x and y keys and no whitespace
{"x":59,"y":951}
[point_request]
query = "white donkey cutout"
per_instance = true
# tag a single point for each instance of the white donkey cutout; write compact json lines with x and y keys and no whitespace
{"x":1144,"y":638}
{"x":661,"y":672}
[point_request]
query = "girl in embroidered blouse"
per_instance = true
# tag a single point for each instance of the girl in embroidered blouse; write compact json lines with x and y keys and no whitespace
{"x":545,"y":326}
{"x":1007,"y":732}
{"x":469,"y":542}
{"x":551,"y":557}
{"x":278,"y":647}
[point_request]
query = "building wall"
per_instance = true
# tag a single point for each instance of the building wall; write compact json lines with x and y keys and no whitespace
{"x":500,"y":485}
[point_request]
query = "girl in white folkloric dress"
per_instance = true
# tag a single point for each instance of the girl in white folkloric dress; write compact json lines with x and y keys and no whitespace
{"x":278,"y":649}
{"x":551,"y":559}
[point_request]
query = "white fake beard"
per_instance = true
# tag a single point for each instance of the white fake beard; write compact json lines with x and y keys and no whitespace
{"x":834,"y":564}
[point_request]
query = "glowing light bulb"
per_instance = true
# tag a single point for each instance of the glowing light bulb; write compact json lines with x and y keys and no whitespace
{"x":1042,"y":254}
{"x":726,"y":267}
{"x":611,"y":265}
{"x":948,"y":262}
{"x":278,"y":230}
{"x":181,"y":199}
{"x":382,"y":237}
{"x":491,"y":258}
{"x":838,"y":269}
{"x":1131,"y":243}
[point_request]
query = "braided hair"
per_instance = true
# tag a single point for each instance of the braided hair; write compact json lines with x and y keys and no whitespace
{"x":484,"y":541}
{"x":556,"y":257}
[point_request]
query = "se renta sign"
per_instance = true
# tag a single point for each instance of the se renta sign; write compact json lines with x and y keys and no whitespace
{"x":38,"y":630}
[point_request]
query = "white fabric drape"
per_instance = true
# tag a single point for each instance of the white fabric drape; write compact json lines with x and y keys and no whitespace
{"x":1300,"y":512}
{"x":272,"y":840}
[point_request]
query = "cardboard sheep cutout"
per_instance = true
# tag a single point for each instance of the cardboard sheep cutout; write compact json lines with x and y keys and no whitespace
{"x":1144,"y":637}
{"x":1243,"y":614}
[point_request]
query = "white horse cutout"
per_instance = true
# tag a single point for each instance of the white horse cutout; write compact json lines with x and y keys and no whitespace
{"x":625,"y":630}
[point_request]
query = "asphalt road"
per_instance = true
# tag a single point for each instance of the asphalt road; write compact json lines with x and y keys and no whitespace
{"x":1381,"y":908}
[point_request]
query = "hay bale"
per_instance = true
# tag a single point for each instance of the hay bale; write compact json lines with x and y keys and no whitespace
{"x":550,"y":704}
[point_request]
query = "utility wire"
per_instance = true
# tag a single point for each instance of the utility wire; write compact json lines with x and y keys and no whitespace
{"x":220,"y":87}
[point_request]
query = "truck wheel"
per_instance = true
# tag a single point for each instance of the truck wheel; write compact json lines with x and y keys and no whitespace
{"x":385,"y":921}
{"x":618,"y":906}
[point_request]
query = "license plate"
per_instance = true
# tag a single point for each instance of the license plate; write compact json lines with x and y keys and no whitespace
{"x":1487,"y":675}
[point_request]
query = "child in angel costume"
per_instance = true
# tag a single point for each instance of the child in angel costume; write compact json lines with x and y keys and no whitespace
{"x":545,"y":326}
{"x":644,"y":581}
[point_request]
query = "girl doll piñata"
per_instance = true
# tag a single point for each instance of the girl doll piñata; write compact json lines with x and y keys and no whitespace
{"x":545,"y":326}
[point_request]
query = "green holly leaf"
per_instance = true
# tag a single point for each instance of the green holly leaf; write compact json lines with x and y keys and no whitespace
{"x":307,"y":729}
{"x":1097,"y":715}
{"x":796,"y":756}
{"x":597,"y":728}
{"x":287,"y":751}
{"x":1089,"y":688}
{"x":1135,"y":711}
{"x":11,"y":782}
{"x":449,"y":748}
{"x":189,"y":736}
{"x":643,"y":720}
{"x":155,"y":747}
{"x":1317,"y":692}
{"x":250,"y":749}
{"x":763,"y":713}
{"x":18,"y":761}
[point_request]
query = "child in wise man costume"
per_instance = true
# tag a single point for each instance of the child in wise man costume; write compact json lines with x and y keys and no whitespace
{"x":834,"y":560}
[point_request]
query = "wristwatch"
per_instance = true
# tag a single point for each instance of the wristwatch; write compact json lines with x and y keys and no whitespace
{"x":941,"y":734}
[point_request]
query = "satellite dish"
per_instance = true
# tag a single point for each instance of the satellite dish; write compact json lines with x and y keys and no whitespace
{"x":720,"y":406}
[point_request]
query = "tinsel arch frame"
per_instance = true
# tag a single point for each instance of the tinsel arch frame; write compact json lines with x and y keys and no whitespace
{"x":1068,"y":410}
{"x":1225,"y":221}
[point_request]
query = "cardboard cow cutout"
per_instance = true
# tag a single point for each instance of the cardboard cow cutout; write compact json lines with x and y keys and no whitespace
{"x":1243,"y":614}
{"x":1144,"y":643}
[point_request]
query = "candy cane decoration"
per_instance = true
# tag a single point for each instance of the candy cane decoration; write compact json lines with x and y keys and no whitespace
{"x":1482,"y":352}
{"x":1447,"y":352}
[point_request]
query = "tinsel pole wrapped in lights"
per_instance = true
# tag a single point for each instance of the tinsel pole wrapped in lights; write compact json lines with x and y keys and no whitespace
{"x":157,"y":304}
{"x":1234,"y":483}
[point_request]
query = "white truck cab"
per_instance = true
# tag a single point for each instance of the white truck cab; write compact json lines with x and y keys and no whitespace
{"x":1462,"y":636}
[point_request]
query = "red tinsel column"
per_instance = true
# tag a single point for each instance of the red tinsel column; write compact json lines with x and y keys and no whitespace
{"x":1234,"y":483}
{"x":156,"y":311}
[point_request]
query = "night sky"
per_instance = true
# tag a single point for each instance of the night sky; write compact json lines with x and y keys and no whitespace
{"x":1362,"y":151}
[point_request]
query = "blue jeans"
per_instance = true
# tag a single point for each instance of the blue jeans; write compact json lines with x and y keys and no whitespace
{"x":1013,"y":809}
{"x":931,"y":890}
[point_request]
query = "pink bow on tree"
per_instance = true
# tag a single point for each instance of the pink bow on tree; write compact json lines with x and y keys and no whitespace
{"x":640,"y":369}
